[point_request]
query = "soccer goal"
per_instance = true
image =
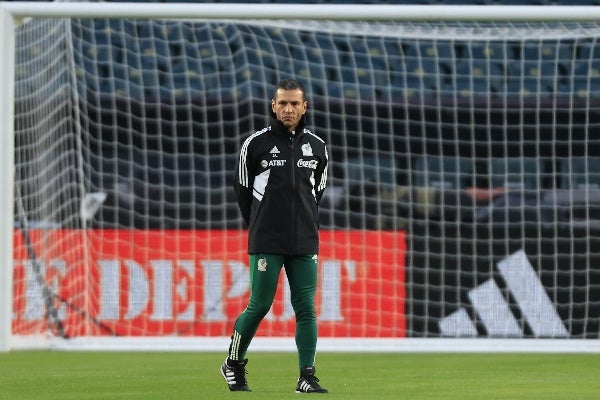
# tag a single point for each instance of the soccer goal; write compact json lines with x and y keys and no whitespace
{"x":463,"y":205}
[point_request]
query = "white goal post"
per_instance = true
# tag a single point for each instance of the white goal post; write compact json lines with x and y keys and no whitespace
{"x":503,"y":308}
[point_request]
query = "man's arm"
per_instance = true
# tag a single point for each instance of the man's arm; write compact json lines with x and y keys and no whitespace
{"x":321,"y":176}
{"x":243,"y":181}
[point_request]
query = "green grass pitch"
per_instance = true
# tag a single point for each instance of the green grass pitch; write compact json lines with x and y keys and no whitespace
{"x":195,"y":375}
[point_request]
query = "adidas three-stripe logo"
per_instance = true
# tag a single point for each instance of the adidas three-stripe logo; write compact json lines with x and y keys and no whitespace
{"x":494,"y":311}
{"x":229,"y":375}
{"x":305,"y":386}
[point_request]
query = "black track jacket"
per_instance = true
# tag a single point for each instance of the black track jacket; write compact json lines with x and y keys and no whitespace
{"x":279,"y":181}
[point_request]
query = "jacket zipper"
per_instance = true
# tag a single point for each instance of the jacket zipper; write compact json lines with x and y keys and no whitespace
{"x":293,"y":173}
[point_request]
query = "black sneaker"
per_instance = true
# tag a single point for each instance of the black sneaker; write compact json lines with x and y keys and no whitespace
{"x":308,"y":382}
{"x":234,"y":373}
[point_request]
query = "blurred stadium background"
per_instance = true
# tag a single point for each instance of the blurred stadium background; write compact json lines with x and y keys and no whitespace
{"x":478,"y":149}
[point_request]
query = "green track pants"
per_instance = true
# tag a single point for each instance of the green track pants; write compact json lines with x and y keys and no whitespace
{"x":301,"y":272}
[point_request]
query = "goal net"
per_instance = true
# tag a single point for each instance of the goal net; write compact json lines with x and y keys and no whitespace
{"x":464,"y":189}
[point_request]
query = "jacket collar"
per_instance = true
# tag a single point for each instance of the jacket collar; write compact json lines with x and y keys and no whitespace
{"x":278,"y":127}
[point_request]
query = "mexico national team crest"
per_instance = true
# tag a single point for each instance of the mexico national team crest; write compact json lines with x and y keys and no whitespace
{"x":262,"y":264}
{"x":307,"y":150}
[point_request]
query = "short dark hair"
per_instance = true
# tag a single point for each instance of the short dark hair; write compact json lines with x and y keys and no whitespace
{"x":289,"y":84}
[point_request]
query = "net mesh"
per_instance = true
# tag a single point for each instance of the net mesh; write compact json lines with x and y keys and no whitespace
{"x":462,"y":200}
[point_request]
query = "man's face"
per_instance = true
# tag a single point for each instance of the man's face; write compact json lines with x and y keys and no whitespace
{"x":289,"y":106}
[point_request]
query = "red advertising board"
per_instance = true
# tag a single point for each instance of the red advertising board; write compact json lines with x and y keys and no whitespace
{"x":195,"y":283}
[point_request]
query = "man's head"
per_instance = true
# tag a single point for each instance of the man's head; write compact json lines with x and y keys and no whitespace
{"x":289,"y":103}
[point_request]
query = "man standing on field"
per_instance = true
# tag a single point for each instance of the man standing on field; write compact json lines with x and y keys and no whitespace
{"x":280,"y":177}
